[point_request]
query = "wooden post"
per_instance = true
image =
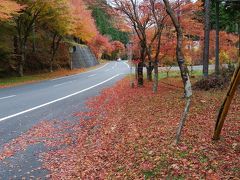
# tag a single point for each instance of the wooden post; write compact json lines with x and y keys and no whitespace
{"x":227,"y":102}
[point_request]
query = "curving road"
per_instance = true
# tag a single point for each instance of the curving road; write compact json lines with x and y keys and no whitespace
{"x":24,"y":106}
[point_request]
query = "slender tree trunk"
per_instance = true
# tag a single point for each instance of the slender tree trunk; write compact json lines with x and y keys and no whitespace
{"x":21,"y":64}
{"x":217,"y":70}
{"x":168,"y":70}
{"x":182,"y":121}
{"x":227,"y":102}
{"x":52,"y":52}
{"x":21,"y":58}
{"x":140,"y":73}
{"x":149,"y":71}
{"x":140,"y":64}
{"x":155,"y":83}
{"x":136,"y":72}
{"x":239,"y":40}
{"x":34,"y":37}
{"x":16,"y":51}
{"x":182,"y":66}
{"x":55,"y":44}
{"x":180,"y":57}
{"x":51,"y":62}
{"x":206,"y":38}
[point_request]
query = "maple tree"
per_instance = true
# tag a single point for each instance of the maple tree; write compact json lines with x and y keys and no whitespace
{"x":118,"y":49}
{"x":99,"y":45}
{"x":159,"y":16}
{"x":140,"y":21}
{"x":84,"y":25}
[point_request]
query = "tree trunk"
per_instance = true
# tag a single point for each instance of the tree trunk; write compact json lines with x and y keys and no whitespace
{"x":206,"y":38}
{"x":52,"y":52}
{"x":140,"y":73}
{"x":149,"y":71}
{"x":51,"y":62}
{"x":182,"y":66}
{"x":155,"y":82}
{"x":34,"y":37}
{"x":227,"y":102}
{"x":217,"y":70}
{"x":239,"y":40}
{"x":136,"y":72}
{"x":54,"y":48}
{"x":180,"y":57}
{"x":21,"y":58}
{"x":20,"y":67}
{"x":140,"y":64}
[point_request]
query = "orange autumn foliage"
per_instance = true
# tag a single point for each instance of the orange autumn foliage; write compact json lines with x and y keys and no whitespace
{"x":84,"y":25}
{"x":8,"y":8}
{"x":100,"y":44}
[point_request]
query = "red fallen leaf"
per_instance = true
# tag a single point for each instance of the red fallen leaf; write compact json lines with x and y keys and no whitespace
{"x":120,"y":137}
{"x":146,"y":166}
{"x":212,"y":176}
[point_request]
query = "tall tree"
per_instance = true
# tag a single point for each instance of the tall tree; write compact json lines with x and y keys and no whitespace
{"x":182,"y":66}
{"x":84,"y":24}
{"x":206,"y":37}
{"x":140,"y":21}
{"x":34,"y":11}
{"x":107,"y":26}
{"x":58,"y":24}
{"x":159,"y":17}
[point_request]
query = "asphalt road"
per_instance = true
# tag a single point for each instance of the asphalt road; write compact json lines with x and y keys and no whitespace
{"x":24,"y":106}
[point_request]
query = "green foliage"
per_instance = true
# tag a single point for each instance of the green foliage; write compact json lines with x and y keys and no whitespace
{"x":106,"y":27}
{"x":229,"y":15}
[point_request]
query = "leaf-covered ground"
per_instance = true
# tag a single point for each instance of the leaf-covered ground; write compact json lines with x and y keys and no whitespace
{"x":128,"y":134}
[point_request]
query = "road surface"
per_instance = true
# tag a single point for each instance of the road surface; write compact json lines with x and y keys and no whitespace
{"x":22,"y":107}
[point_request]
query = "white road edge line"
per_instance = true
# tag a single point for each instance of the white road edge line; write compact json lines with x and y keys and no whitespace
{"x":92,"y":75}
{"x":62,"y":83}
{"x":79,"y":73}
{"x":8,"y":97}
{"x":56,"y":100}
{"x":127,"y":65}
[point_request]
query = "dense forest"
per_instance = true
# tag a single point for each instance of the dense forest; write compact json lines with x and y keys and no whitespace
{"x":35,"y":36}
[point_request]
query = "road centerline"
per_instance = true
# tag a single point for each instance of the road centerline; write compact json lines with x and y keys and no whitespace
{"x":62,"y":84}
{"x":92,"y":75}
{"x":79,"y":73}
{"x":57,"y":100}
